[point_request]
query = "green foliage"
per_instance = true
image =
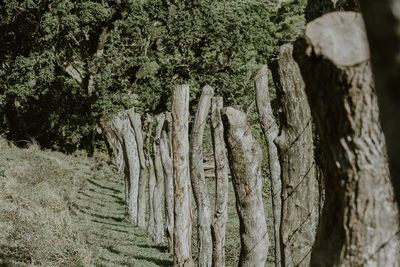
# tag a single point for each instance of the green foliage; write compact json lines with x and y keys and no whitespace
{"x":149,"y":47}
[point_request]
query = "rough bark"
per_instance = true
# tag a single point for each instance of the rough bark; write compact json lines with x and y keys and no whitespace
{"x":245,"y":157}
{"x":136,"y":123}
{"x":166,"y":157}
{"x":182,"y":197}
{"x":122,"y":126}
{"x":218,"y":227}
{"x":382,"y":23}
{"x":147,"y":129}
{"x":198,"y":179}
{"x":296,"y":156}
{"x":360,"y":223}
{"x":158,"y":199}
{"x":270,"y":130}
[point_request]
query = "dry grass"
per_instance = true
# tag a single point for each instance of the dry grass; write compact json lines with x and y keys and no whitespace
{"x":59,"y":210}
{"x":36,"y":226}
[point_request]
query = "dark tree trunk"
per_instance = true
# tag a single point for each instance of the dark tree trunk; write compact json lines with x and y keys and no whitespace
{"x":245,"y":157}
{"x":382,"y":25}
{"x":296,"y":154}
{"x":360,"y":223}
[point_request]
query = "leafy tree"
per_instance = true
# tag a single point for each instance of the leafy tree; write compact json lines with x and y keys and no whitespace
{"x":69,"y":64}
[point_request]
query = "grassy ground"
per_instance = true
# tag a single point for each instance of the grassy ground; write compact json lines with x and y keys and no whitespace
{"x":58,"y":210}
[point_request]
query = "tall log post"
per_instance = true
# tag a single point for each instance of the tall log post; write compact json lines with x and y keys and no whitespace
{"x":218,"y":226}
{"x":198,"y":180}
{"x":158,"y":200}
{"x":123,"y":127}
{"x":245,"y":157}
{"x":166,"y":157}
{"x":296,"y":154}
{"x":360,"y":224}
{"x":270,"y":130}
{"x":136,"y":123}
{"x":148,"y":129}
{"x":382,"y":24}
{"x":182,"y":197}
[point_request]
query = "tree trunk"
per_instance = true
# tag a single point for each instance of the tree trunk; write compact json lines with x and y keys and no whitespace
{"x":198,"y":179}
{"x":360,"y":223}
{"x":147,"y":128}
{"x":296,"y":154}
{"x":136,"y":123}
{"x":123,"y":128}
{"x":245,"y":157}
{"x":382,"y":23}
{"x":166,"y":157}
{"x":218,"y":227}
{"x":182,"y":198}
{"x":270,"y":130}
{"x":158,"y":200}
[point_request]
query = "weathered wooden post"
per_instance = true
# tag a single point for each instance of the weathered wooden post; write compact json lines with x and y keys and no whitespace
{"x":300,"y":192}
{"x":270,"y":130}
{"x":147,"y":130}
{"x":198,"y":180}
{"x":122,"y":127}
{"x":158,"y":200}
{"x":360,"y":224}
{"x":245,"y":157}
{"x":136,"y":123}
{"x":166,"y":157}
{"x":218,"y":226}
{"x":182,"y":198}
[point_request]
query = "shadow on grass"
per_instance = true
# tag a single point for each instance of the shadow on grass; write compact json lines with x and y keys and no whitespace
{"x":118,"y":199}
{"x":116,"y":191}
{"x":161,"y":248}
{"x":106,"y":217}
{"x":159,"y":262}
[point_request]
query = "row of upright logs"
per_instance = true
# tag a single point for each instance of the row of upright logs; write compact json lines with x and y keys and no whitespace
{"x":358,"y":226}
{"x":172,"y":166}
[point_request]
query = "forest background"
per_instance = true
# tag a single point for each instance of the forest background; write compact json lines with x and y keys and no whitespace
{"x":68,"y":66}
